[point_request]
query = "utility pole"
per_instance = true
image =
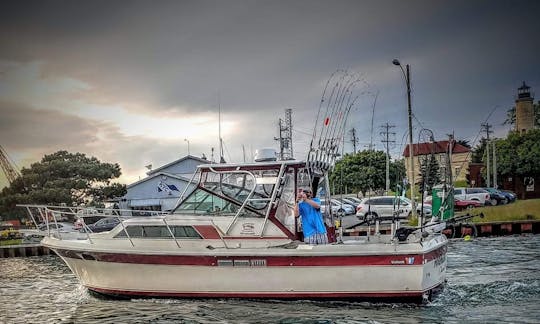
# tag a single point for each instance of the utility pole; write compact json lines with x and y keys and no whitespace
{"x":354,"y":139}
{"x":386,"y":141}
{"x":487,"y":127}
{"x":494,"y":166}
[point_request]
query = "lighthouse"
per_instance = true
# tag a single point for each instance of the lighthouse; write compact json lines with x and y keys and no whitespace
{"x":524,"y":109}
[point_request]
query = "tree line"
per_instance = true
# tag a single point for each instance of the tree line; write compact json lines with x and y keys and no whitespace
{"x":62,"y":178}
{"x":518,"y":155}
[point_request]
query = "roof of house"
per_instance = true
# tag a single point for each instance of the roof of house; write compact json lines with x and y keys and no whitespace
{"x":435,"y":147}
{"x":152,"y":176}
{"x":187,"y":157}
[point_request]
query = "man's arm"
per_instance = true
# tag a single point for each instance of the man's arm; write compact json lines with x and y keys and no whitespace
{"x":315,"y":203}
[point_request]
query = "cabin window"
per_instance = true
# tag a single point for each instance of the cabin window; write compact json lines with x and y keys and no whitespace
{"x":160,"y":231}
{"x":204,"y":203}
{"x":185,"y":232}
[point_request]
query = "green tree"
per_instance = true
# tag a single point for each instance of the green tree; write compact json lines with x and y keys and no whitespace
{"x":429,"y":173}
{"x":479,"y":151}
{"x":464,"y":142}
{"x":519,"y":155}
{"x":364,"y":171}
{"x":63,"y":177}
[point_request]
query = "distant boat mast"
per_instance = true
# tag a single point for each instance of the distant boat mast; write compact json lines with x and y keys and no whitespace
{"x":221,"y":158}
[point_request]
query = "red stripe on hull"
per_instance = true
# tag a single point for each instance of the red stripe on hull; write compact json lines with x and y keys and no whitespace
{"x":435,"y":254}
{"x":271,"y":261}
{"x":296,"y":295}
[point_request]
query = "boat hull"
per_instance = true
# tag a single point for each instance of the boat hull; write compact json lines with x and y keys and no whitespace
{"x":292,"y":276}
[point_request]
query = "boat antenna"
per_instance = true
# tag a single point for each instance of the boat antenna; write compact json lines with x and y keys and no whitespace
{"x":221,"y":158}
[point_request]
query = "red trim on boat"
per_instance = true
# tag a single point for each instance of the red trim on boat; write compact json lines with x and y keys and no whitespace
{"x":256,"y":238}
{"x":207,"y":232}
{"x":435,"y":254}
{"x":269,"y":261}
{"x":277,"y":295}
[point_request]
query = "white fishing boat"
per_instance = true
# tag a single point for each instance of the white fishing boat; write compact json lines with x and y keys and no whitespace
{"x":236,"y":236}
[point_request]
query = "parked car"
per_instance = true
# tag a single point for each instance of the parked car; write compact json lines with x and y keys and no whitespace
{"x":466,"y":204}
{"x":497,"y":197}
{"x":337,"y":207}
{"x":79,"y":222}
{"x":459,"y":204}
{"x":355,"y":199}
{"x":349,"y":209}
{"x":384,"y":208}
{"x":348,"y":201}
{"x":104,"y":224}
{"x":512,"y":196}
{"x":476,"y":194}
{"x":61,"y":229}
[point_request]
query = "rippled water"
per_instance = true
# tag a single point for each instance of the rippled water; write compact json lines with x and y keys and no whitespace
{"x":489,"y":280}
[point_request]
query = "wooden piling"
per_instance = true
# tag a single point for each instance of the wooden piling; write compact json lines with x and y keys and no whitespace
{"x":24,"y":250}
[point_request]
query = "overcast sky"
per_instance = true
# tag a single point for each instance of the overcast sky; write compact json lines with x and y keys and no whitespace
{"x":130,"y":81}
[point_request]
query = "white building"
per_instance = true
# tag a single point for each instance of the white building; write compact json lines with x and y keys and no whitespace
{"x":162,"y":188}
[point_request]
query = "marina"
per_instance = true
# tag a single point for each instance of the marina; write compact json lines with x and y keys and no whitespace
{"x":269,"y":162}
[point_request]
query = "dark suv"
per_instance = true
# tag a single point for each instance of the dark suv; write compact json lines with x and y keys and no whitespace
{"x":497,"y":198}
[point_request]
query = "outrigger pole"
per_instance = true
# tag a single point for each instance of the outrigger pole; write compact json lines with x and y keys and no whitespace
{"x":340,"y":94}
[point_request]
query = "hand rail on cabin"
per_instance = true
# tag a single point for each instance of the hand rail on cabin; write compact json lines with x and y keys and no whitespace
{"x":277,"y":186}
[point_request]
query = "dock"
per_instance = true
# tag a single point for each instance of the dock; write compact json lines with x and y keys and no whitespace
{"x":23,"y":250}
{"x":462,"y":229}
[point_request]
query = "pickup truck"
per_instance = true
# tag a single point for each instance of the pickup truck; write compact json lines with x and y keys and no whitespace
{"x":475,"y":194}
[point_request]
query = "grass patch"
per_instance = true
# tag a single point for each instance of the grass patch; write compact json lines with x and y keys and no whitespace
{"x":519,"y":210}
{"x":11,"y":242}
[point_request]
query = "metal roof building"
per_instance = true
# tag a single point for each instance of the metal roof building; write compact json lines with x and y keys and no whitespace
{"x":162,"y":187}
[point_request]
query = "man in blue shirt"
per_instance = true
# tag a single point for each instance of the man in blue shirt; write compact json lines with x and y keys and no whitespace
{"x":309,"y":208}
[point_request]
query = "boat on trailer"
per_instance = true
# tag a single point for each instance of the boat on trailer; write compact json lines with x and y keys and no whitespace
{"x":235,"y":235}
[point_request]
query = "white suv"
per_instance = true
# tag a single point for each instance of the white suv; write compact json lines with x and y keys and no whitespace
{"x":384,"y":208}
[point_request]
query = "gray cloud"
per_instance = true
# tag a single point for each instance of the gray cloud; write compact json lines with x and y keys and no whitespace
{"x":23,"y":126}
{"x":173,"y":58}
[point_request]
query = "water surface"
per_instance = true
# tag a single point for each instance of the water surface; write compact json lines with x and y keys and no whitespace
{"x":489,"y":280}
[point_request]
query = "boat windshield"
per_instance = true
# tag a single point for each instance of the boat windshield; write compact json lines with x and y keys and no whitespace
{"x":222,"y":194}
{"x":202,"y":202}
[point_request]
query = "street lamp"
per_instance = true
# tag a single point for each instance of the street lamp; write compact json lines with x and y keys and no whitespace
{"x":409,"y":110}
{"x":186,"y":140}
